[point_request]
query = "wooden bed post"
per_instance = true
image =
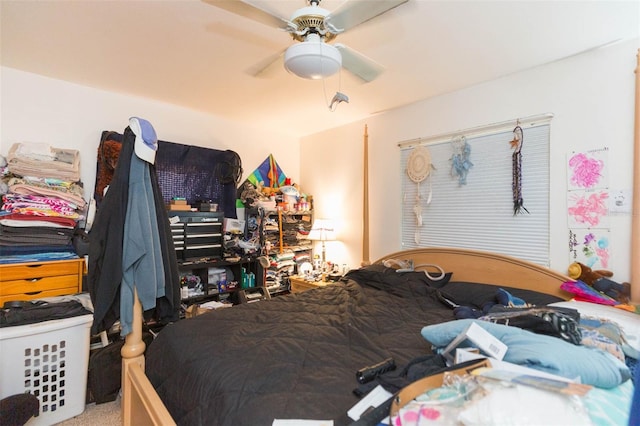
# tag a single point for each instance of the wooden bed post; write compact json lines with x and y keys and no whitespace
{"x":141,"y":405}
{"x":635,"y":211}
{"x":365,"y":201}
{"x":132,"y":353}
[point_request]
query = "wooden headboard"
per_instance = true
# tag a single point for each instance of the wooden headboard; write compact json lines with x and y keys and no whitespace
{"x":485,"y":267}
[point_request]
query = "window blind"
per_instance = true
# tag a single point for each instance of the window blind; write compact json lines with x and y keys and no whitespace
{"x":480,"y":214}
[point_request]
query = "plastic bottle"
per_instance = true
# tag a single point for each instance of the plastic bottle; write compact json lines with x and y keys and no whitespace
{"x":244,"y":282}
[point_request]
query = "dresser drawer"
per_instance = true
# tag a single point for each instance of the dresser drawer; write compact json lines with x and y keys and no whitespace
{"x":40,"y":270}
{"x":34,"y":285}
{"x":39,"y":295}
{"x":35,"y":280}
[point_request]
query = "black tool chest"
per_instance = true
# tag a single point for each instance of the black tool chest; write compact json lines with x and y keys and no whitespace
{"x":197,"y":235}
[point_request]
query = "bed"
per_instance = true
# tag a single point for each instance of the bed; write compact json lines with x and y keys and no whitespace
{"x":295,"y":357}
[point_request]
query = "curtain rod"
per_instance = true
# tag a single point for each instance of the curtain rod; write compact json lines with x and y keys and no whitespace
{"x":530,"y":121}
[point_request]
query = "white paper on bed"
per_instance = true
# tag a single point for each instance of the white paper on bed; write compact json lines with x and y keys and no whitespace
{"x":467,"y":354}
{"x":301,"y":422}
{"x":521,"y":405}
{"x":372,"y":400}
{"x":520,"y":369}
{"x":481,"y":338}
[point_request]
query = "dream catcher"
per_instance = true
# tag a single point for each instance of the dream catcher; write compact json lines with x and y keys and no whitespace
{"x":418,"y":169}
{"x":516,"y":165}
{"x":460,"y":163}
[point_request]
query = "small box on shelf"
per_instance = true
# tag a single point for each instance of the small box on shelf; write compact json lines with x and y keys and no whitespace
{"x":178,"y":204}
{"x":179,"y":207}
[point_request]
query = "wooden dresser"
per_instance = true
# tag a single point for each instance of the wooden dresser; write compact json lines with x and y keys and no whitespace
{"x":35,"y":280}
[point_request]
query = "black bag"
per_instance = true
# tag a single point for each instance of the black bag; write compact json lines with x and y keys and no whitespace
{"x":394,"y":380}
{"x":551,"y":321}
{"x":105,"y":371}
{"x":16,"y":410}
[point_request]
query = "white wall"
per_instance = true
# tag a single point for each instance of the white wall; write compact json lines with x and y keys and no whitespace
{"x":591,"y":96}
{"x":65,"y":115}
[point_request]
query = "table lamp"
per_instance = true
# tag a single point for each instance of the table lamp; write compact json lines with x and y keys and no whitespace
{"x":322,"y":230}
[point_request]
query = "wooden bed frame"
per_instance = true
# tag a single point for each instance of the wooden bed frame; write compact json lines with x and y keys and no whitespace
{"x":141,"y":405}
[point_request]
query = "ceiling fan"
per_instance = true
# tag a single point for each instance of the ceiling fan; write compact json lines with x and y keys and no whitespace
{"x":313,"y":28}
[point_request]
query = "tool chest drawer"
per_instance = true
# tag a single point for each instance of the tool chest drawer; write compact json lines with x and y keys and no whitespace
{"x":197,"y":234}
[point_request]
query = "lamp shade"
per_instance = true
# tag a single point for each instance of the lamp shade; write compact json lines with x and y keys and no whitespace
{"x":322,"y":230}
{"x":312,"y":60}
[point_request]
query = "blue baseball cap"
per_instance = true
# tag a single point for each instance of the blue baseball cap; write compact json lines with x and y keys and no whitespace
{"x":146,"y":140}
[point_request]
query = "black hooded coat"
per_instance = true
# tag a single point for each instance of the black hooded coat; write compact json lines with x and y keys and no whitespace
{"x":105,"y":248}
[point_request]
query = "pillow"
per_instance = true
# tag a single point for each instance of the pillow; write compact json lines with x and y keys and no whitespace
{"x":546,"y":353}
{"x":375,"y":274}
{"x":628,"y":322}
{"x":477,"y":295}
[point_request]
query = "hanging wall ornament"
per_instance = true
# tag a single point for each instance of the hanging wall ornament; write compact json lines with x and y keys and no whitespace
{"x":419,"y":164}
{"x":516,"y":165}
{"x":460,"y":163}
{"x":418,"y":169}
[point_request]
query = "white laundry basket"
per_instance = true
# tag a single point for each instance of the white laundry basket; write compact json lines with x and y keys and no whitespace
{"x":50,"y":360}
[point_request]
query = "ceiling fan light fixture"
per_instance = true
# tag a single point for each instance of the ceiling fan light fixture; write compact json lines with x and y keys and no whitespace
{"x":312,"y":60}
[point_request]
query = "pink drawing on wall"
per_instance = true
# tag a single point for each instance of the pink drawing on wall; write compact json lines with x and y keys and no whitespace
{"x":588,"y":209}
{"x":588,"y":170}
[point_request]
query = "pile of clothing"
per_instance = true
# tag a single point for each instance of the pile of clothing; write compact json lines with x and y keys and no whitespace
{"x":42,"y":203}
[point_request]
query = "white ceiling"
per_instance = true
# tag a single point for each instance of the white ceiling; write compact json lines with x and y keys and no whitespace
{"x":189,"y":53}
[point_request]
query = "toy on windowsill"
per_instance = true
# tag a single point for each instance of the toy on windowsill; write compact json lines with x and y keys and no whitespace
{"x":599,"y":280}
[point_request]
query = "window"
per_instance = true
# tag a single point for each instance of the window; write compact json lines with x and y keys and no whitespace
{"x":480,"y":214}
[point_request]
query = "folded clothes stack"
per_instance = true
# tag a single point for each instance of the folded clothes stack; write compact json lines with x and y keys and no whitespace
{"x":37,"y":159}
{"x":42,"y":203}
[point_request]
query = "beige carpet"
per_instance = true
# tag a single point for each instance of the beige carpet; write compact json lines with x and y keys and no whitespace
{"x":107,"y":414}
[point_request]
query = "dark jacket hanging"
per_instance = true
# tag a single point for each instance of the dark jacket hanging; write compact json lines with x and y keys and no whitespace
{"x":105,"y":248}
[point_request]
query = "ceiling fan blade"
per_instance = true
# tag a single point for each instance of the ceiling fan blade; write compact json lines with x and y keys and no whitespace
{"x":355,"y":12}
{"x":268,"y":66}
{"x":250,"y":11}
{"x":361,"y":66}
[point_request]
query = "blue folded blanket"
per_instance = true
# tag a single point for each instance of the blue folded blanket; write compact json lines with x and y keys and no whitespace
{"x":546,"y":353}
